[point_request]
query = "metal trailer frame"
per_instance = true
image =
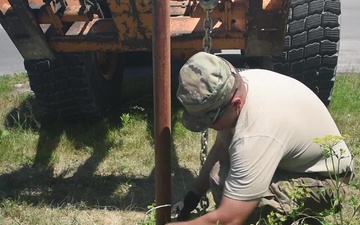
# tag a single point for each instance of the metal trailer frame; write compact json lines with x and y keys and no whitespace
{"x":41,"y":28}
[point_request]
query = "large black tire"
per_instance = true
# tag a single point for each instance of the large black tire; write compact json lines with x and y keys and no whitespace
{"x":73,"y":87}
{"x":311,"y":45}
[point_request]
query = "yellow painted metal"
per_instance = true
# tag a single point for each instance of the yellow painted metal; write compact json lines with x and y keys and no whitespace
{"x":133,"y":19}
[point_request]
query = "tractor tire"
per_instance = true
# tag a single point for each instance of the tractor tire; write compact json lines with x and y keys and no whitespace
{"x":74,"y":86}
{"x":311,"y":45}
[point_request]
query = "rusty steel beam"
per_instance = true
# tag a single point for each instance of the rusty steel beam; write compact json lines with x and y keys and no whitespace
{"x":178,"y":25}
{"x":186,"y":37}
{"x":162,"y":107}
{"x":181,"y":46}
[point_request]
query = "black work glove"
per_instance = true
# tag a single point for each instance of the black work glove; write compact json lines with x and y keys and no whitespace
{"x":184,"y":207}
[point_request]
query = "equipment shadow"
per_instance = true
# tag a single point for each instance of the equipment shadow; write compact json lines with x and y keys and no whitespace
{"x":37,"y":183}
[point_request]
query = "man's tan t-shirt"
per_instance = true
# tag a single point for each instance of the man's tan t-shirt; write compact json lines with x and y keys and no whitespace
{"x":276,"y":129}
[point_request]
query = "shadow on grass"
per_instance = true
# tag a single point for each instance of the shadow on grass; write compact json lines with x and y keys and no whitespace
{"x":36,"y":183}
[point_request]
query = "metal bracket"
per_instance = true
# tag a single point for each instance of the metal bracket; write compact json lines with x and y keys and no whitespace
{"x":55,"y":20}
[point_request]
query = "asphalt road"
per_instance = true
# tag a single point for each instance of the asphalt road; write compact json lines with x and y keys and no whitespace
{"x":10,"y":61}
{"x":349,"y":55}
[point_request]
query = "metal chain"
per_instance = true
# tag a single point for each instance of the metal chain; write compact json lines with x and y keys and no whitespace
{"x":207,"y":44}
{"x":208,"y":25}
{"x":208,"y":6}
{"x":204,"y":147}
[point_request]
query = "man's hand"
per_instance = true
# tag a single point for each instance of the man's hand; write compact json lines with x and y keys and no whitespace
{"x":184,"y":207}
{"x":230,"y":211}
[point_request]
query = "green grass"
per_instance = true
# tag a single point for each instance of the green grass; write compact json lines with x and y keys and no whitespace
{"x":61,"y":173}
{"x":84,"y":173}
{"x":345,"y":107}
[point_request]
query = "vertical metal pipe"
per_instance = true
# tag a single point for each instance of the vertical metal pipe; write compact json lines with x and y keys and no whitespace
{"x":162,"y":106}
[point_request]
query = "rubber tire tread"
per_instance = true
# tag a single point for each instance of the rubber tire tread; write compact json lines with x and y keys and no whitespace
{"x":63,"y":88}
{"x":312,"y":45}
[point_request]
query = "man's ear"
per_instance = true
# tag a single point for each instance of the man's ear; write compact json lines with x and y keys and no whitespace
{"x":236,"y":101}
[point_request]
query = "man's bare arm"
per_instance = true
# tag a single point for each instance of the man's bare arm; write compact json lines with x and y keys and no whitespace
{"x":230,"y":212}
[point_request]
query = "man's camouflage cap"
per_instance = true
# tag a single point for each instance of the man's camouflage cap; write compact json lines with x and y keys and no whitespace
{"x":205,"y":82}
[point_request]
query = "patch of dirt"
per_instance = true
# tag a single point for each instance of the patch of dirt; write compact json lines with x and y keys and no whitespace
{"x":22,"y":88}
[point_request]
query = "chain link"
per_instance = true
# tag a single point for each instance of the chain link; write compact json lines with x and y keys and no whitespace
{"x":204,"y":203}
{"x":208,"y":6}
{"x":208,"y":25}
{"x":207,"y":44}
{"x":204,"y":147}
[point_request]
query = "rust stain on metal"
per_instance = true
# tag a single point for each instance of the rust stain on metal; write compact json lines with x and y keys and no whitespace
{"x":137,"y":15}
{"x":162,"y":106}
{"x":132,"y":20}
{"x":79,"y":43}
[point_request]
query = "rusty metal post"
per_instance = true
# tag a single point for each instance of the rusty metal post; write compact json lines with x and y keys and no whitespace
{"x":162,"y":107}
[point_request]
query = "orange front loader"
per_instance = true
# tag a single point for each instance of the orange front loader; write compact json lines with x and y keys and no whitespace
{"x":75,"y":50}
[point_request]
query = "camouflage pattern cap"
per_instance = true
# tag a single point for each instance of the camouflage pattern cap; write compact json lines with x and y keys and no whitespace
{"x":205,"y":82}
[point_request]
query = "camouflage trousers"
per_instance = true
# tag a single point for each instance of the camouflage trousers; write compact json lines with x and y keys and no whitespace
{"x":305,"y":195}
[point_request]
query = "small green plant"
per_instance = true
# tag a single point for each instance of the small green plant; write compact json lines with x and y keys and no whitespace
{"x":3,"y":134}
{"x":125,"y":119}
{"x":329,"y":154}
{"x":296,"y":193}
{"x":19,"y":122}
{"x":296,"y":211}
{"x":150,"y":216}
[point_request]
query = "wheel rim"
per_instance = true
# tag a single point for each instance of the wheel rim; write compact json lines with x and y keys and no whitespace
{"x":107,"y":64}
